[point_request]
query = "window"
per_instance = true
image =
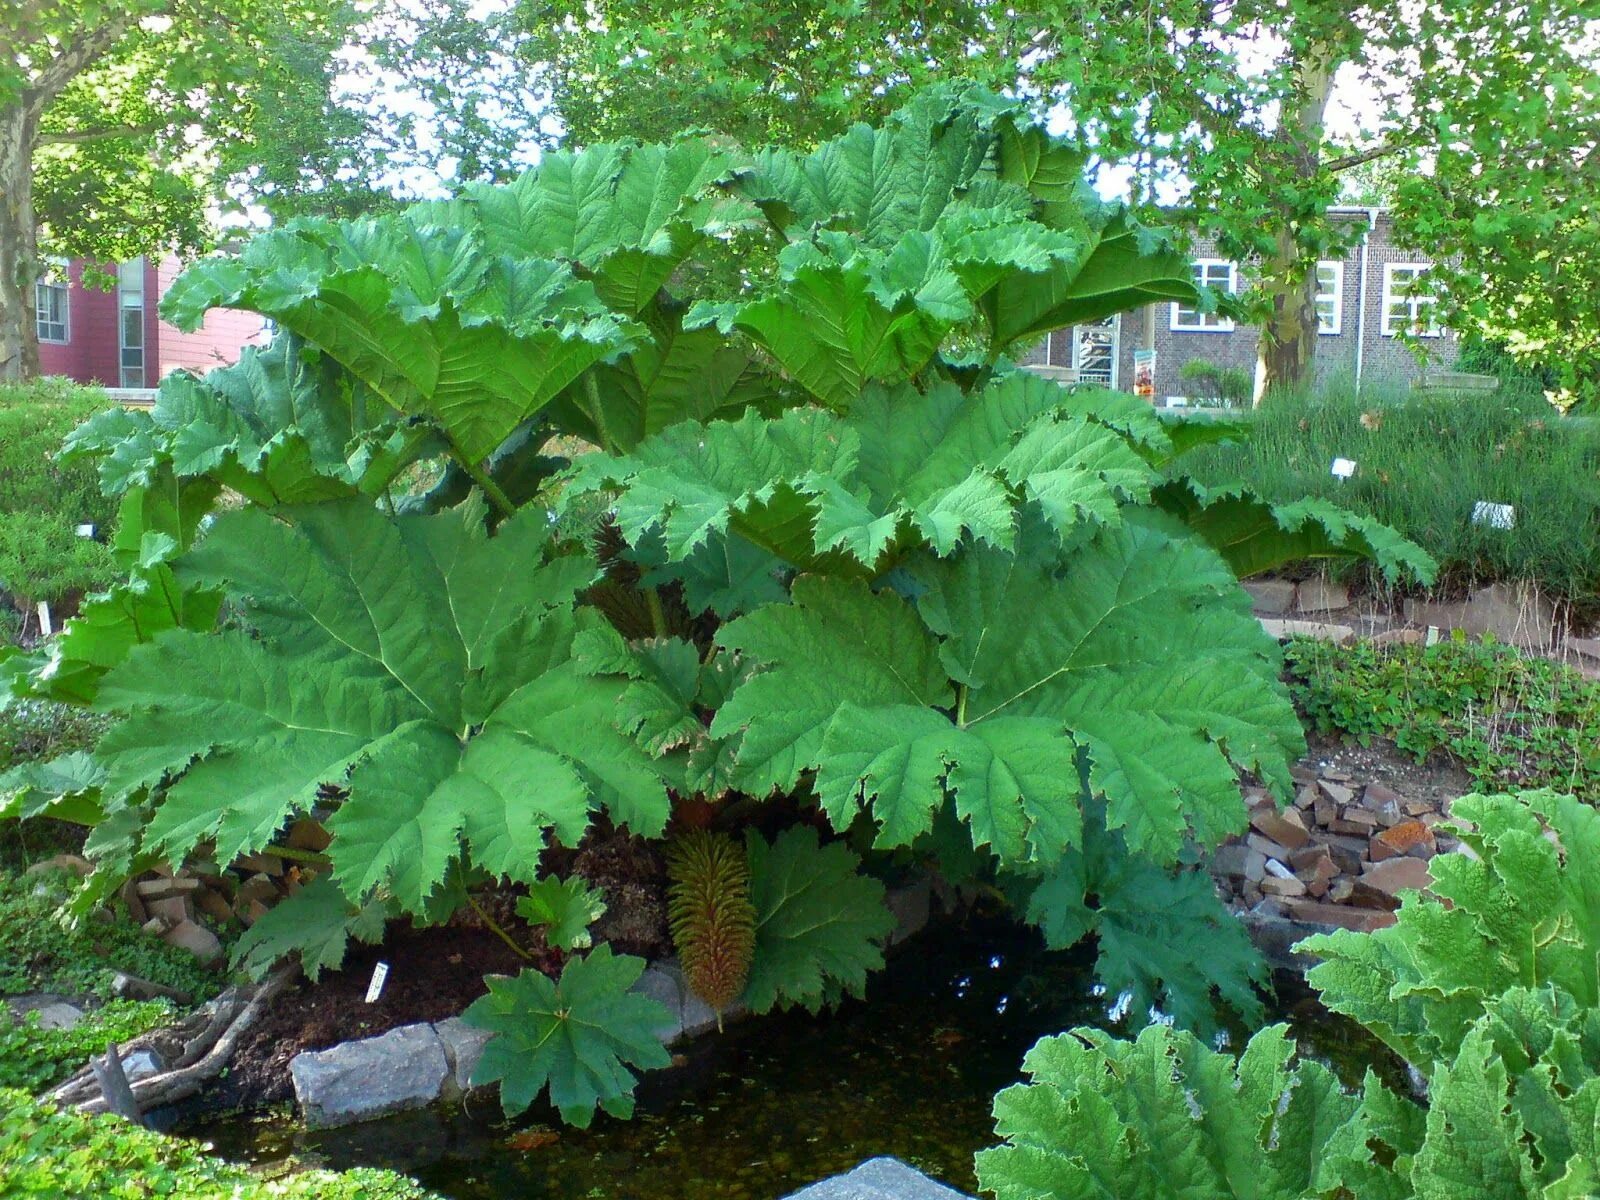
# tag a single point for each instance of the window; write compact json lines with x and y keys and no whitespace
{"x":50,"y":298}
{"x":1408,"y":306}
{"x":1214,"y":273}
{"x":130,"y":301}
{"x":1330,"y":297}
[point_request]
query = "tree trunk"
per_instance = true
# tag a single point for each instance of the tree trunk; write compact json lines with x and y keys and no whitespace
{"x":19,"y":342}
{"x":1289,"y":336}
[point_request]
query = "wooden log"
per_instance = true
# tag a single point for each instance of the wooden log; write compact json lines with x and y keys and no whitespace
{"x":115,"y":1091}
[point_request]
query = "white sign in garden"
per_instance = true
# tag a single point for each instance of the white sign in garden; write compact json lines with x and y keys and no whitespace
{"x":1343,"y":468}
{"x":1496,"y":516}
{"x":380,"y":975}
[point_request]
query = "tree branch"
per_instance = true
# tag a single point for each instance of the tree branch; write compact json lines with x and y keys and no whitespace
{"x":75,"y":137}
{"x":81,"y":53}
{"x":1364,"y":156}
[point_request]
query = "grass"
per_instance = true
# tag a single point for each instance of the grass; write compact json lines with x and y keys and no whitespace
{"x":1423,"y":461}
{"x":41,"y":501}
{"x":1514,"y":721}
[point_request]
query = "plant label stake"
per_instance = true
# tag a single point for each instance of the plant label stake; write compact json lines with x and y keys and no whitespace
{"x":86,"y":530}
{"x":1496,"y":516}
{"x":380,"y":975}
{"x":45,"y":627}
{"x":1343,"y":468}
{"x":1432,"y":638}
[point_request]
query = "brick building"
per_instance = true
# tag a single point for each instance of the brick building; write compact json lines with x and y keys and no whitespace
{"x":115,"y":337}
{"x":1363,"y":300}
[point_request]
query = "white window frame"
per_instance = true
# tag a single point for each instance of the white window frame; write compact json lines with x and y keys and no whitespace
{"x":54,"y":285}
{"x":1417,"y":318}
{"x":1335,"y":296}
{"x":1201,"y":322}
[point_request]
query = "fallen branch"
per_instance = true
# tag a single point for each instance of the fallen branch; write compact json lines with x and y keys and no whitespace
{"x":114,"y":1085}
{"x":203,"y":1058}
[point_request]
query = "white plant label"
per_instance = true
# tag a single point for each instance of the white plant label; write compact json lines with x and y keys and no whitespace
{"x":1496,"y":516}
{"x":1432,"y":637}
{"x":1343,"y":468}
{"x":45,"y":627}
{"x":86,"y":530}
{"x":1177,"y":402}
{"x":380,"y":976}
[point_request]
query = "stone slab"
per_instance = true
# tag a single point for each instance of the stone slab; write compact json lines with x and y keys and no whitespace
{"x":356,"y":1081}
{"x":59,"y":1016}
{"x":1271,"y":597}
{"x":1339,"y":635}
{"x":879,"y":1179}
{"x":1322,"y":595}
{"x":463,"y":1046}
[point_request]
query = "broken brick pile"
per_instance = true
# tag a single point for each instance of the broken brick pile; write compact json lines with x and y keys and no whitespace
{"x":1339,"y":855}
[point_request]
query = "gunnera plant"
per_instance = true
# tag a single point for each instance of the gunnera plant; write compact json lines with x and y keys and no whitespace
{"x":734,"y":500}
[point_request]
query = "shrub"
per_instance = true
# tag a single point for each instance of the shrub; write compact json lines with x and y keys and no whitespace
{"x":35,"y":730}
{"x":49,"y":1152}
{"x":1513,"y":720}
{"x":42,"y":500}
{"x":1490,"y":991}
{"x":1206,"y":381}
{"x":1422,"y":463}
{"x":839,"y":575}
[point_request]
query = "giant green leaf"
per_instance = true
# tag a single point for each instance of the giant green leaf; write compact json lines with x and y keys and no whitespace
{"x":1520,"y":912}
{"x":417,"y":661}
{"x":820,"y":923}
{"x":1166,"y":1118}
{"x":421,"y":315}
{"x":1255,"y":536}
{"x":1165,"y":942}
{"x":904,"y":466}
{"x":991,"y":683}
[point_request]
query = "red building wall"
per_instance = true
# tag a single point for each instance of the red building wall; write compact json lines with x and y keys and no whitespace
{"x":92,"y":352}
{"x":218,"y":341}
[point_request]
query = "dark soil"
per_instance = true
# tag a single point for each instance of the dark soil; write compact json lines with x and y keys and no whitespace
{"x":433,"y":974}
{"x":1439,"y":780}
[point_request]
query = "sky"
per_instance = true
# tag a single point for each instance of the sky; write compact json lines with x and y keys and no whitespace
{"x":1352,"y":110}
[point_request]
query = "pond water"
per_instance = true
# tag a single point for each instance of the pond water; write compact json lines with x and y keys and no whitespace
{"x":771,"y":1105}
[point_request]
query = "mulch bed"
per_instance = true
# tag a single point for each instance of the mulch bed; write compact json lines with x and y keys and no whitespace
{"x":433,"y":974}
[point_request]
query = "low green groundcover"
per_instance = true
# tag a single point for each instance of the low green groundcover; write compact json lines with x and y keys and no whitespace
{"x":1513,"y":720}
{"x":48,"y":1152}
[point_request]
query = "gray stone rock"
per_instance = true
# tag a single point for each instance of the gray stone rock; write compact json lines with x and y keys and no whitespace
{"x":879,"y":1179}
{"x":911,"y":906}
{"x":1516,"y":613}
{"x":142,"y":1064}
{"x":1340,"y":635}
{"x":1322,"y":595}
{"x":355,"y":1081}
{"x":1271,"y":597}
{"x":691,"y":1016}
{"x":59,"y":1016}
{"x":664,"y":984}
{"x":463,"y":1046}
